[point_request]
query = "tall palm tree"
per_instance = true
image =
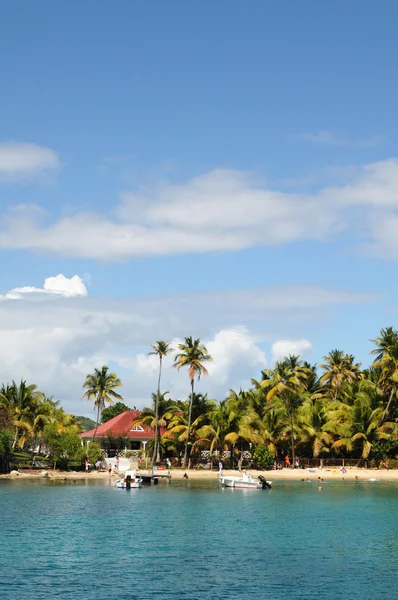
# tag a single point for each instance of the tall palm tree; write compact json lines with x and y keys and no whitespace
{"x":192,"y":355}
{"x":160,"y":349}
{"x":313,"y":418}
{"x":286,"y":383}
{"x":387,"y":338}
{"x":100,"y":387}
{"x":386,"y":364}
{"x":389,"y":378}
{"x":339,"y":368}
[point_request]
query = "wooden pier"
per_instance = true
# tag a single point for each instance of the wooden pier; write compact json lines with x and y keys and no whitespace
{"x":152,"y":477}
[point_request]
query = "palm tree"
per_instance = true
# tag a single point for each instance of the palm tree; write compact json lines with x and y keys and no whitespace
{"x":20,"y":400}
{"x":217,"y":434}
{"x":192,"y":355}
{"x":160,"y":349}
{"x":150,"y":418}
{"x":386,"y":363}
{"x":339,"y":368}
{"x":100,"y":387}
{"x":313,"y":419}
{"x":287,"y":384}
{"x":387,"y":338}
{"x":357,"y":426}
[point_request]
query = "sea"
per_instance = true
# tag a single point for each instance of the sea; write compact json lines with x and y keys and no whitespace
{"x":194,"y":540}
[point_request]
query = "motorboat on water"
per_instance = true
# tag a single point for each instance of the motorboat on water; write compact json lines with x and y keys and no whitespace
{"x":247,"y":481}
{"x":128,"y":481}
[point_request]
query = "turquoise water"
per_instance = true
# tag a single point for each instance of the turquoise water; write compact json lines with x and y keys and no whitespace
{"x":192,"y":540}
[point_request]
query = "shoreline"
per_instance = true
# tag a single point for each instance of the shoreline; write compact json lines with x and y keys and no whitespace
{"x":178,"y":474}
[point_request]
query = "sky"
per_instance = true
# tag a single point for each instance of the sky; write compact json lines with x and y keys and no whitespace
{"x":226,"y":170}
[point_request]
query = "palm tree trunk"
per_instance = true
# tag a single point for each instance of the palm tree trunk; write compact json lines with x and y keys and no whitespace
{"x":385,"y":412}
{"x":189,"y":423}
{"x":14,"y":442}
{"x":156,"y":454}
{"x":96,"y":425}
{"x":292,"y":436}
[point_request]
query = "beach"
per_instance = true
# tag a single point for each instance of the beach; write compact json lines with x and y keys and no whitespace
{"x":328,"y":474}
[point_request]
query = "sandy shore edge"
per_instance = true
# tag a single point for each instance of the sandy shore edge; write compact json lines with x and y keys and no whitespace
{"x":177,"y":474}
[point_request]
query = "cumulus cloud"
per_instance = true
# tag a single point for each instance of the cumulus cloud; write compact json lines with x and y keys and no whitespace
{"x":21,"y":160}
{"x":236,"y":357}
{"x":220,"y":210}
{"x":55,"y":340}
{"x":328,"y":138}
{"x":58,"y":285}
{"x":282,"y":348}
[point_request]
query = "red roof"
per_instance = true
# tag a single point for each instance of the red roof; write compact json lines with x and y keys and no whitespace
{"x":121,"y":425}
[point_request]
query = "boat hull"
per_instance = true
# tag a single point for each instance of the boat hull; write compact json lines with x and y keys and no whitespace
{"x":241,"y":483}
{"x":128,"y":481}
{"x":123,"y":486}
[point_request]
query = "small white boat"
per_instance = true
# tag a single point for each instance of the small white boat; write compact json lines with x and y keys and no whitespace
{"x":128,"y":481}
{"x":246,"y":482}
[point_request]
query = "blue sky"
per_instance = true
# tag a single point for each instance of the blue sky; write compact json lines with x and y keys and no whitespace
{"x":225,"y":169}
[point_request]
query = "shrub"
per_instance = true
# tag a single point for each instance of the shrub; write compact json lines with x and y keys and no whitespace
{"x":94,"y":452}
{"x":383,"y":449}
{"x":263,"y":457}
{"x":5,"y":441}
{"x":63,"y":446}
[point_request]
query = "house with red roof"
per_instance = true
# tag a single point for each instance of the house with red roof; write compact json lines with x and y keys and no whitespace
{"x":122,"y":425}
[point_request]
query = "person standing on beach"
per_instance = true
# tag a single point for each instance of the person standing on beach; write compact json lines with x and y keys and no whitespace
{"x":168,"y":465}
{"x":86,"y":465}
{"x":220,"y":468}
{"x":287,"y":461}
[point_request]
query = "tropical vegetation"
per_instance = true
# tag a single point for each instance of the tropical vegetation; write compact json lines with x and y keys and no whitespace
{"x":336,"y":409}
{"x":100,"y":388}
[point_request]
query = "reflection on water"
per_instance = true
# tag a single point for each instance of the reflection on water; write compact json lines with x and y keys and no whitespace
{"x":192,"y":539}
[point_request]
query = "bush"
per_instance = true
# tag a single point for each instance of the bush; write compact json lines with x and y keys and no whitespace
{"x":5,"y":450}
{"x":383,"y":449}
{"x":263,"y":457}
{"x":5,"y":441}
{"x":63,"y":446}
{"x":94,"y":452}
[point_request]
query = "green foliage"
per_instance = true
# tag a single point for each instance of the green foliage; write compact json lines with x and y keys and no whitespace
{"x":5,"y":441}
{"x":100,"y":388}
{"x":110,"y":412}
{"x":94,"y":452}
{"x":85,"y":423}
{"x":263,"y":457}
{"x":63,"y":446}
{"x":383,"y":449}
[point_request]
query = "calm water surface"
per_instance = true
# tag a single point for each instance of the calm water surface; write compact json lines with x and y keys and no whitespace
{"x":192,"y":540}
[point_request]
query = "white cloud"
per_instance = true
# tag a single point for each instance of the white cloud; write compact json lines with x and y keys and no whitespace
{"x":58,"y":285}
{"x":328,"y":138}
{"x":221,"y":210}
{"x":54,"y":341}
{"x":21,"y":160}
{"x":236,"y":358}
{"x":282,"y":348}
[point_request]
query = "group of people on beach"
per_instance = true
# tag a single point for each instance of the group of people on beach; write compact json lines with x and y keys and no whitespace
{"x":278,"y":464}
{"x":100,"y":466}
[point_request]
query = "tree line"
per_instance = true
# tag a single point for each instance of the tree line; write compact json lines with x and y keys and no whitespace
{"x":334,"y":409}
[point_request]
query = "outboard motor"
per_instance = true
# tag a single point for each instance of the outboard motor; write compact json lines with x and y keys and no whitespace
{"x":264,"y":483}
{"x":128,"y":482}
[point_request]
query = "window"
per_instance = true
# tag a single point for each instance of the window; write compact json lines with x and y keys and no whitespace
{"x":137,"y":428}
